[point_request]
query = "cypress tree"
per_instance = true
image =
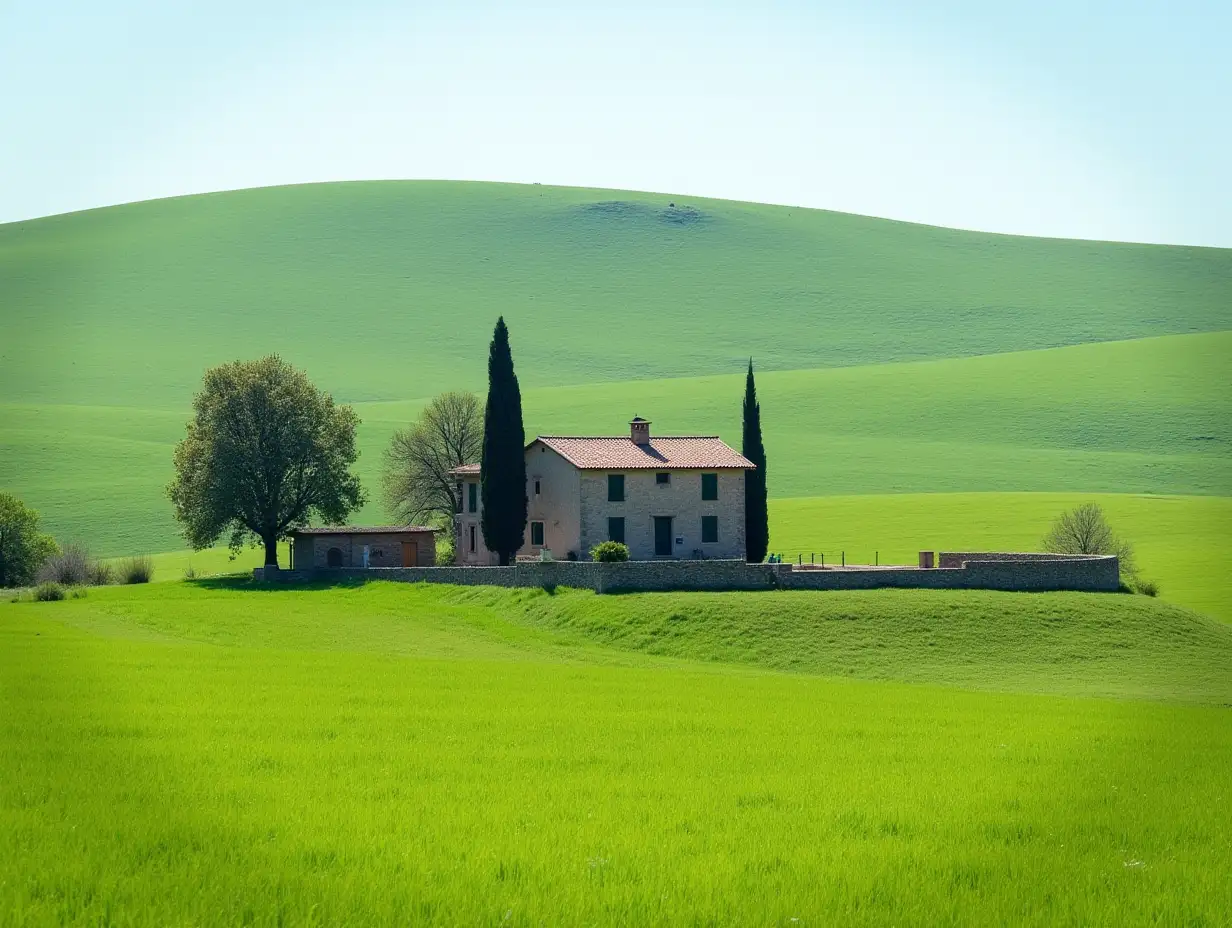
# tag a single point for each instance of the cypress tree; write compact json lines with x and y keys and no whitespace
{"x":756,"y":514}
{"x":503,"y":467}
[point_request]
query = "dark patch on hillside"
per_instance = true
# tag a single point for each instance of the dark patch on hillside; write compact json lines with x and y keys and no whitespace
{"x":627,"y":211}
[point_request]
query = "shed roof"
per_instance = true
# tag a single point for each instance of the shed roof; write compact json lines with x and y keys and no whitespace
{"x":363,"y":530}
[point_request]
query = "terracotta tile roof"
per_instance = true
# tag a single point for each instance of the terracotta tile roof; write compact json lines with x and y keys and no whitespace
{"x":361,"y":529}
{"x":692,"y":452}
{"x":466,"y":470}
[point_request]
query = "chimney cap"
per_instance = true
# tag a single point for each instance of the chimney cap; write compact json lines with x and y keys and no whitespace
{"x":639,"y":419}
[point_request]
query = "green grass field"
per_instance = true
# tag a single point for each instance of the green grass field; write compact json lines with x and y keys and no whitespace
{"x":211,"y":754}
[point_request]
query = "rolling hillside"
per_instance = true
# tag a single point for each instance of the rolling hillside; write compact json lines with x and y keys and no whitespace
{"x":389,"y":290}
{"x":893,"y":358}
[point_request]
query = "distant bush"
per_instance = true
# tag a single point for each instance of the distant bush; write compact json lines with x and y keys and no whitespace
{"x":609,"y":552}
{"x":1085,"y":530}
{"x":444,"y":549}
{"x":190,"y":573}
{"x":1147,"y":588}
{"x":49,"y":592}
{"x":101,"y":573}
{"x":23,"y":548}
{"x":138,"y":569}
{"x":73,"y":566}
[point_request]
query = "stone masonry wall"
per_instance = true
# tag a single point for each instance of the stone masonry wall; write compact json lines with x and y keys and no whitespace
{"x":681,"y":499}
{"x":1092,"y":574}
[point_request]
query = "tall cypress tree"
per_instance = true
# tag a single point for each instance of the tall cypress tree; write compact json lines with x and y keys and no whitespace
{"x":756,"y":514}
{"x":503,"y":468}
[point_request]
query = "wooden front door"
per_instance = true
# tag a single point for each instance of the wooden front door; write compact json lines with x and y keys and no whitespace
{"x":410,"y":554}
{"x":663,"y":536}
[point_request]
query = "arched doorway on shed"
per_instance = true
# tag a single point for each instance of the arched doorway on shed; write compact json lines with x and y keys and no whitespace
{"x":333,"y":557}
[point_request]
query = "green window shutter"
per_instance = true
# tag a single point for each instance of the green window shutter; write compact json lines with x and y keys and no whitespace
{"x":710,"y":529}
{"x":616,"y":529}
{"x":536,"y":534}
{"x":710,"y":486}
{"x":472,"y":497}
{"x":615,"y":488}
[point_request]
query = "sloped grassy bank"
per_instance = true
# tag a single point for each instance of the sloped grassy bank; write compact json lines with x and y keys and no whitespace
{"x":1073,"y":643}
{"x":1114,"y":645}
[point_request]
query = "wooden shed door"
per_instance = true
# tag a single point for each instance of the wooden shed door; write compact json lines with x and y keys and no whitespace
{"x":410,"y":554}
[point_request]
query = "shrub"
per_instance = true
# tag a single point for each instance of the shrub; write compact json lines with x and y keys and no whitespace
{"x":1085,"y":530}
{"x":73,"y":566}
{"x":444,"y":549}
{"x":100,"y":573}
{"x":138,"y":569}
{"x":609,"y":552}
{"x":190,"y":572}
{"x":49,"y":592}
{"x":1148,"y":588}
{"x":23,"y":548}
{"x":78,"y":592}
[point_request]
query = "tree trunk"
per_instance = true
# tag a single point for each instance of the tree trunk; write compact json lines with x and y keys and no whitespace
{"x":504,"y":558}
{"x":271,"y":550}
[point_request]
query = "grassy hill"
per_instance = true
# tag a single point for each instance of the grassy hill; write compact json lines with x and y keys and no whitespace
{"x":894,"y":358}
{"x":389,"y":291}
{"x":387,"y":753}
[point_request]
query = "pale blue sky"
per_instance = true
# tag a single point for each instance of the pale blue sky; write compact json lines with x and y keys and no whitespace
{"x":1095,"y":120}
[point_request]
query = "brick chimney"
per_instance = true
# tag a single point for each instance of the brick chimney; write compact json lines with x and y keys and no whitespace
{"x":639,"y":431}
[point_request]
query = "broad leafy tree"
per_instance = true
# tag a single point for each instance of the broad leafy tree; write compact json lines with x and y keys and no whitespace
{"x":419,"y":459}
{"x":266,"y":452}
{"x":756,"y":512}
{"x":503,"y":466}
{"x":23,"y":548}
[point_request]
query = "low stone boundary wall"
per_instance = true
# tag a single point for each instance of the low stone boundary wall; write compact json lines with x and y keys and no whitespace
{"x":972,"y":572}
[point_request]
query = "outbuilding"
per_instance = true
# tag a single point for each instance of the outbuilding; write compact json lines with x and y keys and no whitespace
{"x":363,"y":546}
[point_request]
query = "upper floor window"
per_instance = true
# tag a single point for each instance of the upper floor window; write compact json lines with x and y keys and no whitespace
{"x":538,"y":489}
{"x":663,"y":479}
{"x":472,"y":497}
{"x":458,"y":505}
{"x":710,"y":486}
{"x":615,"y":488}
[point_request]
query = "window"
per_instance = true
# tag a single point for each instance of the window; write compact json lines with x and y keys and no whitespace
{"x":710,"y":529}
{"x":710,"y":486}
{"x":536,"y":534}
{"x":615,"y":488}
{"x":537,"y":489}
{"x":616,"y":529}
{"x":472,"y":497}
{"x":663,"y":479}
{"x":472,"y":539}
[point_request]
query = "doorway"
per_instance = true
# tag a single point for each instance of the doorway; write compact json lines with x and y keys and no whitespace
{"x":663,"y":536}
{"x":410,"y":554}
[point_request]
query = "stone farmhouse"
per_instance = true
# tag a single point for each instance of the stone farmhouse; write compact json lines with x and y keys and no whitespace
{"x":679,"y":497}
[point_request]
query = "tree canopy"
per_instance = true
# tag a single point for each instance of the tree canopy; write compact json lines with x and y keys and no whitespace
{"x":419,"y":487}
{"x":266,"y":451}
{"x":23,"y":547}
{"x":756,"y":511}
{"x":503,"y":466}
